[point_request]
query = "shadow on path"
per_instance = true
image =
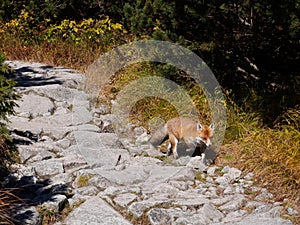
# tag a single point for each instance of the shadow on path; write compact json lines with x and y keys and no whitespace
{"x":29,"y":77}
{"x":21,"y":192}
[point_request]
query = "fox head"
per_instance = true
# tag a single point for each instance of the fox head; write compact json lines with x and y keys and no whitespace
{"x":205,"y":133}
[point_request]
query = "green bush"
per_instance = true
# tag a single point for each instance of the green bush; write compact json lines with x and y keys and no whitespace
{"x":7,"y":93}
{"x":7,"y":104}
{"x":98,"y":31}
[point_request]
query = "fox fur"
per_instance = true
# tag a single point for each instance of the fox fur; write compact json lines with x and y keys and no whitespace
{"x":182,"y":128}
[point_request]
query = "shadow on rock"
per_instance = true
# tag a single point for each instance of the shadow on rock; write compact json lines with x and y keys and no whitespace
{"x":24,"y":77}
{"x":28,"y":192}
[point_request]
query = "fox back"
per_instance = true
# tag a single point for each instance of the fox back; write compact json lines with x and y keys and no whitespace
{"x":189,"y":130}
{"x":183,"y":128}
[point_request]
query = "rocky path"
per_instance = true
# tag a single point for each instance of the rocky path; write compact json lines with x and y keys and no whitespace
{"x":71,"y":158}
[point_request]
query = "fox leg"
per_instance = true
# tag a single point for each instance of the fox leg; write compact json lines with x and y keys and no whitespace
{"x":172,"y":148}
{"x":169,"y":152}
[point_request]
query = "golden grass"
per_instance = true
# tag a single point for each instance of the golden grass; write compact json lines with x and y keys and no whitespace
{"x":150,"y":107}
{"x":273,"y":155}
{"x":56,"y":53}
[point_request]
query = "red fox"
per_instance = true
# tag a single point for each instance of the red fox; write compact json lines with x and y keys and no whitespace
{"x":181,"y":128}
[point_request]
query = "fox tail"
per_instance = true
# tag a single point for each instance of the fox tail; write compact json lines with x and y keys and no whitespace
{"x":159,"y":136}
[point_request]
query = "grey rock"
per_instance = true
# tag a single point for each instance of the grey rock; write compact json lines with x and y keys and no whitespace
{"x":211,"y":212}
{"x":233,"y":175}
{"x":106,"y":123}
{"x":125,"y":199}
{"x":158,"y":216}
{"x":191,"y":202}
{"x":226,"y":169}
{"x":29,"y":104}
{"x":163,"y":188}
{"x":85,"y":127}
{"x":88,"y":190}
{"x":142,"y":139}
{"x":27,"y":215}
{"x":95,"y":211}
{"x":251,"y":220}
{"x":80,"y":115}
{"x":235,"y":216}
{"x":138,"y":131}
{"x":159,"y":174}
{"x":53,"y":189}
{"x":183,"y":160}
{"x":54,"y":127}
{"x":26,"y":152}
{"x":222,"y":180}
{"x":137,"y":209}
{"x":228,"y":190}
{"x":110,"y":140}
{"x":49,"y":167}
{"x":68,"y":96}
{"x":65,"y":178}
{"x":101,"y":110}
{"x":112,"y":191}
{"x":264,"y":195}
{"x":132,"y":174}
{"x":56,"y":203}
{"x":222,"y":200}
{"x":73,"y":161}
{"x":253,"y":205}
{"x":181,"y":185}
{"x":211,"y":170}
{"x":21,"y":170}
{"x":237,"y":203}
{"x":268,"y":210}
{"x":191,"y":219}
{"x":292,"y":211}
{"x":197,"y":163}
{"x":64,"y":143}
{"x":76,"y":200}
{"x":248,"y":176}
{"x":100,"y":182}
{"x":44,"y":155}
{"x":183,"y":174}
{"x":45,"y":75}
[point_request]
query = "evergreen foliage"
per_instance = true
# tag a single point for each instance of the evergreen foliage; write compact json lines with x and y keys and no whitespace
{"x":7,"y":93}
{"x":7,"y":104}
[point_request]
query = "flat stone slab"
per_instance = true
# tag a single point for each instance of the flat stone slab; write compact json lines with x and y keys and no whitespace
{"x":258,"y":220}
{"x":95,"y":211}
{"x":28,"y":105}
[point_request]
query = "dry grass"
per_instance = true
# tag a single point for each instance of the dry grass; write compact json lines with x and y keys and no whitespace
{"x":273,"y":155}
{"x":57,"y":53}
{"x":151,"y":107}
{"x":7,"y":200}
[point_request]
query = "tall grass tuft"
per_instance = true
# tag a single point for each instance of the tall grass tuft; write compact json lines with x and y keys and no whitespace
{"x":272,"y":154}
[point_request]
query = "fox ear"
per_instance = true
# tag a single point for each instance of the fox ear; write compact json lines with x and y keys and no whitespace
{"x":212,"y":126}
{"x":199,"y":126}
